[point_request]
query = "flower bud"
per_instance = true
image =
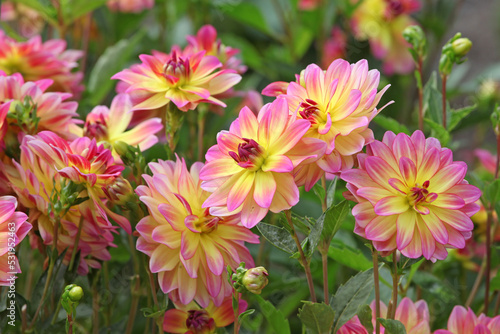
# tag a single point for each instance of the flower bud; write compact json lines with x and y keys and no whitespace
{"x":461,"y":46}
{"x":119,"y":192}
{"x":416,"y":37}
{"x":255,"y":279}
{"x":75,"y":294}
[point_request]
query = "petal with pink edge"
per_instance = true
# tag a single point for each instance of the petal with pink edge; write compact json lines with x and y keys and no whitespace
{"x":392,"y":205}
{"x":265,"y":187}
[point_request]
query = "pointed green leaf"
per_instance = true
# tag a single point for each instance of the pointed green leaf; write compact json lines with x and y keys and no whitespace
{"x":438,"y":131}
{"x":318,"y":318}
{"x":278,"y":236}
{"x":273,"y":316}
{"x":365,"y":317}
{"x":458,"y":114}
{"x":392,"y":326}
{"x":332,"y":219}
{"x":348,"y":256}
{"x":350,"y":296}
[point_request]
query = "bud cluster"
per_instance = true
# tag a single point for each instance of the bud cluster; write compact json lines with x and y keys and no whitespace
{"x":454,"y":52}
{"x":252,"y":280}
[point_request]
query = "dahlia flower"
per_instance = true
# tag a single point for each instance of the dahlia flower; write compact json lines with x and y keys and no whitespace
{"x":382,"y":22}
{"x":53,"y":112}
{"x":464,"y":321}
{"x":34,"y":182}
{"x":185,"y":81}
{"x":412,"y":196}
{"x":84,"y":163}
{"x":487,"y":160}
{"x":130,"y":6}
{"x":339,"y":103}
{"x":250,"y":168}
{"x":36,"y":60}
{"x":206,"y":40}
{"x":189,"y":247}
{"x":29,"y":21}
{"x":109,"y":125}
{"x":13,"y":229}
{"x":414,"y":316}
{"x":191,"y":319}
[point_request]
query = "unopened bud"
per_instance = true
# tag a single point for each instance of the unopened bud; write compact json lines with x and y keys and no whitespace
{"x":119,"y":192}
{"x":461,"y":46}
{"x":255,"y":279}
{"x":75,"y":294}
{"x":416,"y":37}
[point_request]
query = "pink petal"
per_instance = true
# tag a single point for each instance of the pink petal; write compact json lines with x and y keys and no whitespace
{"x":449,"y":201}
{"x":214,"y":258}
{"x":265,"y":187}
{"x":240,"y":190}
{"x":405,"y":228}
{"x":447,"y":177}
{"x":277,"y":163}
{"x":381,"y":228}
{"x":393,"y":205}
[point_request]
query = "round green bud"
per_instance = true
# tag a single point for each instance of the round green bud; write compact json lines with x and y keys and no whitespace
{"x":255,"y":279}
{"x":461,"y":46}
{"x":75,"y":294}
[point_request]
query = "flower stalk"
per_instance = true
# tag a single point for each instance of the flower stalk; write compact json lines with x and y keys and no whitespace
{"x":377,"y":290}
{"x":303,"y":260}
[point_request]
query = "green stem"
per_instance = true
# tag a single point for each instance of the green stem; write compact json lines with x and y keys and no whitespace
{"x":377,"y":290}
{"x":395,"y":281}
{"x":443,"y":91}
{"x":324,"y":260}
{"x":95,"y":304}
{"x":303,"y":259}
{"x":236,"y":310}
{"x":420,"y":97}
{"x":75,"y":247}
{"x":201,"y":130}
{"x":135,"y":291}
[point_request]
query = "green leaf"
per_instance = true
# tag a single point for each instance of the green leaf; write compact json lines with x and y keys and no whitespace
{"x":319,"y":191}
{"x":492,"y":191}
{"x":348,"y":256}
{"x":390,"y":124}
{"x":365,"y":317}
{"x":392,"y":326}
{"x":273,"y":316}
{"x":278,"y":236}
{"x":243,"y":315}
{"x":111,"y":61}
{"x":458,"y":114}
{"x":249,"y":53}
{"x":332,"y":219}
{"x":302,"y":40}
{"x":330,"y":194}
{"x":246,"y":13}
{"x":438,"y":131}
{"x":318,"y":318}
{"x":495,"y":282}
{"x":350,"y":296}
{"x":313,"y":238}
{"x":79,"y":8}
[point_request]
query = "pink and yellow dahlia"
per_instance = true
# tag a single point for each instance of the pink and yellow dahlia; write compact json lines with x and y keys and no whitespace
{"x":185,"y":81}
{"x":334,"y":47}
{"x":464,"y":321}
{"x":13,"y":229}
{"x":51,"y":110}
{"x":339,"y":103}
{"x":250,"y":168}
{"x":412,"y":196}
{"x":414,"y":316}
{"x":130,"y":6}
{"x":109,"y":126}
{"x":382,"y":22}
{"x":191,"y":319}
{"x":84,"y":163}
{"x":189,"y":247}
{"x":36,"y":182}
{"x":36,"y":60}
{"x":206,"y":40}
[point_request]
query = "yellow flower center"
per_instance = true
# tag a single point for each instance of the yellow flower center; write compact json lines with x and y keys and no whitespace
{"x":419,"y":195}
{"x":11,"y":64}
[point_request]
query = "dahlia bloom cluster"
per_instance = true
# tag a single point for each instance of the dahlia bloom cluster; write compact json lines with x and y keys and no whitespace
{"x":53,"y":112}
{"x":193,"y":319}
{"x":50,"y":165}
{"x":13,"y":229}
{"x":414,"y":317}
{"x":382,"y":22}
{"x":183,"y":78}
{"x":412,"y":196}
{"x":189,"y":246}
{"x":338,"y":103}
{"x":109,"y":126}
{"x":250,"y":170}
{"x":465,"y":321}
{"x":36,"y":60}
